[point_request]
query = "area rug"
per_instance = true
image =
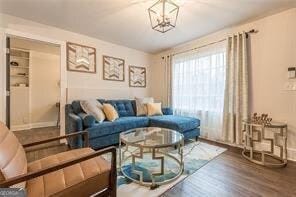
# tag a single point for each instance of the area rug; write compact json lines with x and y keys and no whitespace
{"x":196,"y":155}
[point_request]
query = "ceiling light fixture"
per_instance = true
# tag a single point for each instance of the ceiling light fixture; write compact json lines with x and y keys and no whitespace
{"x":163,"y":15}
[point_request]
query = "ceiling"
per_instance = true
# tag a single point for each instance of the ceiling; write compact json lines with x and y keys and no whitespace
{"x":126,"y":22}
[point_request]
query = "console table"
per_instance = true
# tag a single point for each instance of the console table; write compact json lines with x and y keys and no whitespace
{"x":257,"y":133}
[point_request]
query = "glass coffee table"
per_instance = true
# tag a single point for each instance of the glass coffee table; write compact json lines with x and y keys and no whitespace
{"x":149,"y":157}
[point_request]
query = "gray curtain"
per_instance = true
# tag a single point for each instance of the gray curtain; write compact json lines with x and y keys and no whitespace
{"x":168,"y":80}
{"x":236,"y":88}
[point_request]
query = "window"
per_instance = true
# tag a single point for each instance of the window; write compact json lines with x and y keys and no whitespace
{"x":198,"y":84}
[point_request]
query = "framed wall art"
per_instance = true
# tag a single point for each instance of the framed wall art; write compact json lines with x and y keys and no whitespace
{"x":81,"y":58}
{"x":113,"y":68}
{"x":137,"y":76}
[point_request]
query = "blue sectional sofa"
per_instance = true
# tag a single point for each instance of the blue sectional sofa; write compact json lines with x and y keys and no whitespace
{"x":107,"y":133}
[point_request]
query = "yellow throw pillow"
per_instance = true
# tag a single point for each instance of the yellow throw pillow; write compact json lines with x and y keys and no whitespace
{"x":154,"y":109}
{"x":110,"y":112}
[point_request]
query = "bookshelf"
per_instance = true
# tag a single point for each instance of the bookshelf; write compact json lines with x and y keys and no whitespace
{"x":19,"y":67}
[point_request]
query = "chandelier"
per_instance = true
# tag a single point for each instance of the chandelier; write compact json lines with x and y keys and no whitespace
{"x":163,"y":15}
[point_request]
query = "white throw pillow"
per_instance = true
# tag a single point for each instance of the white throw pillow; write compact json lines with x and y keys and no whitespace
{"x":94,"y":108}
{"x":141,"y":105}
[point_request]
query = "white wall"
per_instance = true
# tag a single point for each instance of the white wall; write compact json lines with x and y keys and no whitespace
{"x":273,"y":50}
{"x":76,"y":82}
{"x":85,"y":80}
{"x":44,"y":82}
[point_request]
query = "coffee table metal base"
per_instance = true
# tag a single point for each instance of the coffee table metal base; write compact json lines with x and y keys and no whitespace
{"x":156,"y":154}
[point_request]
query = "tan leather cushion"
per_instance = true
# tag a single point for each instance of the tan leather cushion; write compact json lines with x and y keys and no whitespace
{"x":82,"y":179}
{"x":13,"y":161}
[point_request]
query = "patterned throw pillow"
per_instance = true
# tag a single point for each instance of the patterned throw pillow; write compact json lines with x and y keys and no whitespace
{"x":154,"y":109}
{"x":141,"y":105}
{"x":94,"y":108}
{"x":110,"y":112}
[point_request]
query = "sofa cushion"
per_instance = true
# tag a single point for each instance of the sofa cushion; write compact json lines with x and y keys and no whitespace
{"x":141,"y":108}
{"x":88,"y":120}
{"x":124,"y":107}
{"x":94,"y":108}
{"x":117,"y":126}
{"x":154,"y":109}
{"x":167,"y":111}
{"x":110,"y":112}
{"x":77,"y":107}
{"x":82,"y":179}
{"x":178,"y":123}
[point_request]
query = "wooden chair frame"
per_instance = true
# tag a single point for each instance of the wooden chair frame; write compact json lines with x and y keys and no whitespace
{"x":110,"y":191}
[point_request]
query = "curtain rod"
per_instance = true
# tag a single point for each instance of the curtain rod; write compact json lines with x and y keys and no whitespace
{"x":211,"y":43}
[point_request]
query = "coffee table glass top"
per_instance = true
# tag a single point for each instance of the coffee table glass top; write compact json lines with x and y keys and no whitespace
{"x":151,"y":137}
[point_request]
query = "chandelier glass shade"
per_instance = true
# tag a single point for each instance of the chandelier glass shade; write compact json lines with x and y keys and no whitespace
{"x":163,"y":15}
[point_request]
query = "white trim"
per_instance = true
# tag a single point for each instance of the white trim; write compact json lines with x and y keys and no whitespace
{"x":291,"y":154}
{"x":43,"y":124}
{"x":63,"y":67}
{"x":33,"y":126}
{"x":3,"y":71}
{"x":20,"y":127}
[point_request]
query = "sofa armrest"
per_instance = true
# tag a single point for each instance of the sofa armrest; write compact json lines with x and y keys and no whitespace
{"x":74,"y":124}
{"x":167,"y":111}
{"x":88,"y":120}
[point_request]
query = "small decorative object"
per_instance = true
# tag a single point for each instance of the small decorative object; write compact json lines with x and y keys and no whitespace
{"x":163,"y":15}
{"x":292,"y":72}
{"x":22,"y":85}
{"x":113,"y":68}
{"x":81,"y":58}
{"x":137,"y":76}
{"x":14,"y":63}
{"x":263,"y":119}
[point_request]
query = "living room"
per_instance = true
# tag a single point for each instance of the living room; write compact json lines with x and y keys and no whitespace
{"x":196,"y":98}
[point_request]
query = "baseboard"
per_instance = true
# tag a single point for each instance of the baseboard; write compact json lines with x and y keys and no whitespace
{"x":43,"y":124}
{"x":291,"y":154}
{"x":291,"y":151}
{"x":33,"y":126}
{"x":20,"y":127}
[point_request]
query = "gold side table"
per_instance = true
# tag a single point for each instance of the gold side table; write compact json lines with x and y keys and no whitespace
{"x":257,"y":134}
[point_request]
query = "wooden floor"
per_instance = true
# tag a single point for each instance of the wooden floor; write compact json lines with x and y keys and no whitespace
{"x":227,"y":175}
{"x":231,"y":175}
{"x":33,"y":135}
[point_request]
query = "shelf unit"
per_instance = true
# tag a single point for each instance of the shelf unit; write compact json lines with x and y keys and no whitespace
{"x":20,"y":76}
{"x":19,"y":67}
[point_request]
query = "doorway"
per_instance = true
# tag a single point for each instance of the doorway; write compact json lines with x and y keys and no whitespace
{"x":33,"y":83}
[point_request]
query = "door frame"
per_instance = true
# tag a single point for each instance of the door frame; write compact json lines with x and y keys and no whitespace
{"x":63,"y":70}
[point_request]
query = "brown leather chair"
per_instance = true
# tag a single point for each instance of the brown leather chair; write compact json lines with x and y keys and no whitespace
{"x":78,"y":172}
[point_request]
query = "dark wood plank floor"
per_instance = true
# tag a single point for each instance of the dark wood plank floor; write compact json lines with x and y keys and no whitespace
{"x":227,"y":175}
{"x":231,"y":175}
